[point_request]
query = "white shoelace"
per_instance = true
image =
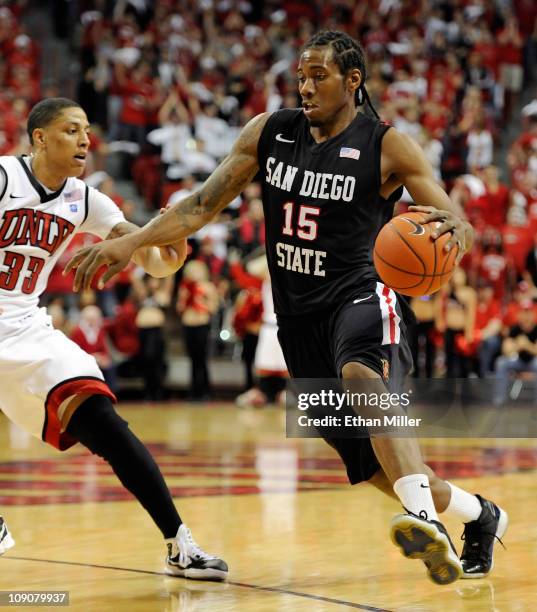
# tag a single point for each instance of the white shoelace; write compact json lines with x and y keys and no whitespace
{"x":188,"y":547}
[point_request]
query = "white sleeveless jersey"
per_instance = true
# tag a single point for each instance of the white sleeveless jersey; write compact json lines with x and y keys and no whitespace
{"x":36,"y":227}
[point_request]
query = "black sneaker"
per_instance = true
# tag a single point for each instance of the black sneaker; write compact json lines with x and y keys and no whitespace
{"x":185,"y":558}
{"x":6,"y":541}
{"x":419,"y":538}
{"x":479,"y":536}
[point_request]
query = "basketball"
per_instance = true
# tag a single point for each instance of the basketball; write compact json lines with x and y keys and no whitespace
{"x":408,"y":260}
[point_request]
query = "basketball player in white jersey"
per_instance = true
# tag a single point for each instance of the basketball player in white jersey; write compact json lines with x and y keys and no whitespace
{"x":6,"y":541}
{"x":50,"y":387}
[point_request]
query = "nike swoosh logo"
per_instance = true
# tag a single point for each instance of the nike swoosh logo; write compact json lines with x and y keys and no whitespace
{"x":418,"y":229}
{"x":280,"y":138}
{"x":362,"y":299}
{"x":14,"y":196}
{"x":424,"y":486}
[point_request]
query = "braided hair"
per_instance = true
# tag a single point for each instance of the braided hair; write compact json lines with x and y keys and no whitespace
{"x":347,"y":54}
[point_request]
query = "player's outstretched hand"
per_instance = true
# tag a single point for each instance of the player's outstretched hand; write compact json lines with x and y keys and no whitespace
{"x":115,"y":254}
{"x":450,"y":222}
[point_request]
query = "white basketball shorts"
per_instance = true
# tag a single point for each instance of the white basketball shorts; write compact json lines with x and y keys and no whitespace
{"x":40,"y":370}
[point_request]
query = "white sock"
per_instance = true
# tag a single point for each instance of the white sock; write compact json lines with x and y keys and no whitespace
{"x":414,"y":492}
{"x":462,"y":505}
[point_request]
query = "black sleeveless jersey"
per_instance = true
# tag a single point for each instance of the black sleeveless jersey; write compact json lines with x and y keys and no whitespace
{"x":323,"y":210}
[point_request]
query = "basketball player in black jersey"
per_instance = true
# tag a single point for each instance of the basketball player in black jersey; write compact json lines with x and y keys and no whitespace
{"x":330,"y":178}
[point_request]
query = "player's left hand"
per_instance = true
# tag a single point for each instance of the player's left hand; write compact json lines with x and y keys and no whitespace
{"x":450,"y":222}
{"x":115,"y":254}
{"x":174,"y":255}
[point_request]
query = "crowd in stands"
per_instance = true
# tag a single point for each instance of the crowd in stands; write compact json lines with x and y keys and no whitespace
{"x":168,"y":85}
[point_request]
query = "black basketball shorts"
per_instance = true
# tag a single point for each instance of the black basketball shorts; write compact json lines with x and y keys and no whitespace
{"x":368,"y":329}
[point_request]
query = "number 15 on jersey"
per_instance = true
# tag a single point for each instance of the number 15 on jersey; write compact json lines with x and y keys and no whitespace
{"x":295,"y":258}
{"x":306,"y":225}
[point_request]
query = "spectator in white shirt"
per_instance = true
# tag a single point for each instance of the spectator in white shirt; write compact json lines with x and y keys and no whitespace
{"x":480,"y":146}
{"x":216,"y":133}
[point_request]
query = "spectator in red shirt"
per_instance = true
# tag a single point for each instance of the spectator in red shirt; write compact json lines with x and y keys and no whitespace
{"x":487,"y":47}
{"x":439,"y":93}
{"x":141,"y":100}
{"x":491,"y":265}
{"x":511,"y":72}
{"x":197,"y":302}
{"x":495,"y":201}
{"x":519,"y":352}
{"x":488,"y":327}
{"x":123,"y":331}
{"x":247,"y":313}
{"x":24,"y":85}
{"x":530,"y":273}
{"x":524,"y":146}
{"x":247,"y":319}
{"x":521,"y":295}
{"x":517,"y":238}
{"x":206,"y":255}
{"x":90,"y":335}
{"x":249,"y":232}
{"x":435,"y":119}
{"x":24,"y":52}
{"x":524,"y":195}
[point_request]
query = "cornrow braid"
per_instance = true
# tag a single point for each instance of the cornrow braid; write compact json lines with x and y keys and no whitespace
{"x":347,"y":54}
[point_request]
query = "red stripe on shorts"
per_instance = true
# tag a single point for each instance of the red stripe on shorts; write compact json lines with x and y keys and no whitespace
{"x":391,"y":313}
{"x":69,"y":388}
{"x":263,"y":372}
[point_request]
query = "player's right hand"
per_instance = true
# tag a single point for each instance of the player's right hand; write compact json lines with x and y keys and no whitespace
{"x":115,"y":254}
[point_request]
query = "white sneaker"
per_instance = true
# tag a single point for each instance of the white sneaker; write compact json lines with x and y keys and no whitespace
{"x":185,"y":558}
{"x":6,"y":541}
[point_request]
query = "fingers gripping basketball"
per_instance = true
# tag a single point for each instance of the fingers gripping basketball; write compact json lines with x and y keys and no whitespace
{"x":408,"y":260}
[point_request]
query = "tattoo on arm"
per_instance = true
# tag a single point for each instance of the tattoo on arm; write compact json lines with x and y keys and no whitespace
{"x":121,"y":229}
{"x":226,"y":182}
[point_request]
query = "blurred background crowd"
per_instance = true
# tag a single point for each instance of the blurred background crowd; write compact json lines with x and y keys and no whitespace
{"x":167,"y":85}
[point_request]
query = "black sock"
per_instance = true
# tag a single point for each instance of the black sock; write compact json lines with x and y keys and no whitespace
{"x":99,"y":428}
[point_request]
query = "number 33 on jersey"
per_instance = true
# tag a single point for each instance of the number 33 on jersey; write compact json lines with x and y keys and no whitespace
{"x":36,"y":226}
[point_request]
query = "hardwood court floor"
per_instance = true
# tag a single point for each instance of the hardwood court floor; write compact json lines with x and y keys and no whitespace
{"x":295,"y":535}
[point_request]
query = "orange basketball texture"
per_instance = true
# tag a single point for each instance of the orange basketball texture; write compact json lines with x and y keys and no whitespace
{"x":408,"y":260}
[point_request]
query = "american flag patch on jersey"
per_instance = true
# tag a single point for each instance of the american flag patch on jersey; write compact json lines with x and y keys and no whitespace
{"x":73,"y":196}
{"x":349,"y":152}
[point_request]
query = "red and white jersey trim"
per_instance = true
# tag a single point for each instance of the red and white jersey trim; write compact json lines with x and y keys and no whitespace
{"x":391,"y":329}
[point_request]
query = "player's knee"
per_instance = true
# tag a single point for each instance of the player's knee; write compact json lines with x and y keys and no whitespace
{"x":357,"y":371}
{"x":381,"y":482}
{"x":97,"y":425}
